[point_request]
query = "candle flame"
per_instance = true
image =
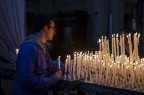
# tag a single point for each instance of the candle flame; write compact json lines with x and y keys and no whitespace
{"x":127,"y":67}
{"x":116,"y":35}
{"x":138,"y":34}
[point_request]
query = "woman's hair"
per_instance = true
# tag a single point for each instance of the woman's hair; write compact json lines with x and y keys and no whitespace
{"x":40,"y":20}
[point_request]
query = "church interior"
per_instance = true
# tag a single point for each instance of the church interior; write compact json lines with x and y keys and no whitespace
{"x":88,"y":30}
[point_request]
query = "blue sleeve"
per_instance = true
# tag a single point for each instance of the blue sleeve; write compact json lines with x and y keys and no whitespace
{"x":25,"y":69}
{"x":53,"y":66}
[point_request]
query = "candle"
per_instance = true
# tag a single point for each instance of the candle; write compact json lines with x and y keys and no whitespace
{"x":74,"y":66}
{"x":114,"y":47}
{"x":123,"y":44}
{"x":65,"y":69}
{"x":117,"y":44}
{"x":105,"y":46}
{"x":115,"y":70}
{"x":59,"y":62}
{"x":137,"y":42}
{"x":108,"y":47}
{"x":103,"y":50}
{"x":130,"y":47}
{"x":100,"y":45}
{"x":127,"y":75}
{"x":135,"y":52}
{"x":132,"y":74}
{"x":110,"y":77}
{"x":17,"y":51}
{"x":71,"y":65}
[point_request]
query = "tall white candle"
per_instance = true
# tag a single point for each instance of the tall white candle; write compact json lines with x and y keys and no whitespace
{"x":114,"y":46}
{"x":59,"y":62}
{"x":108,"y":47}
{"x":74,"y":66}
{"x":103,"y":50}
{"x":71,"y":72}
{"x":100,"y":45}
{"x":105,"y":45}
{"x":130,"y":48}
{"x":123,"y":44}
{"x":65,"y":69}
{"x":117,"y":44}
{"x":69,"y":67}
{"x":134,"y":52}
{"x":69,"y":63}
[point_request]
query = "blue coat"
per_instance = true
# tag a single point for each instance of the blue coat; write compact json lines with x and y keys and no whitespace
{"x":31,"y":75}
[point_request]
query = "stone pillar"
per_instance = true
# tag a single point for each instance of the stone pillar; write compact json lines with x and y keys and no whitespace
{"x":117,"y":13}
{"x":99,"y":19}
{"x":142,"y":33}
{"x":143,"y":21}
{"x":89,"y":9}
{"x":140,"y":18}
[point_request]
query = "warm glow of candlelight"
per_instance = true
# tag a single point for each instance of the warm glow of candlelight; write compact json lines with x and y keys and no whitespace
{"x":113,"y":69}
{"x":117,"y":35}
{"x":138,"y":35}
{"x":99,"y":41}
{"x":17,"y":51}
{"x":127,"y":67}
{"x":59,"y":62}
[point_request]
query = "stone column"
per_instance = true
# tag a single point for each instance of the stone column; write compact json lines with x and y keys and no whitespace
{"x":143,"y":21}
{"x":89,"y":9}
{"x":99,"y":18}
{"x":117,"y":13}
{"x":140,"y":18}
{"x":142,"y":33}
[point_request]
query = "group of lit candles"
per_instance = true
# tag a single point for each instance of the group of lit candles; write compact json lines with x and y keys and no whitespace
{"x":114,"y":70}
